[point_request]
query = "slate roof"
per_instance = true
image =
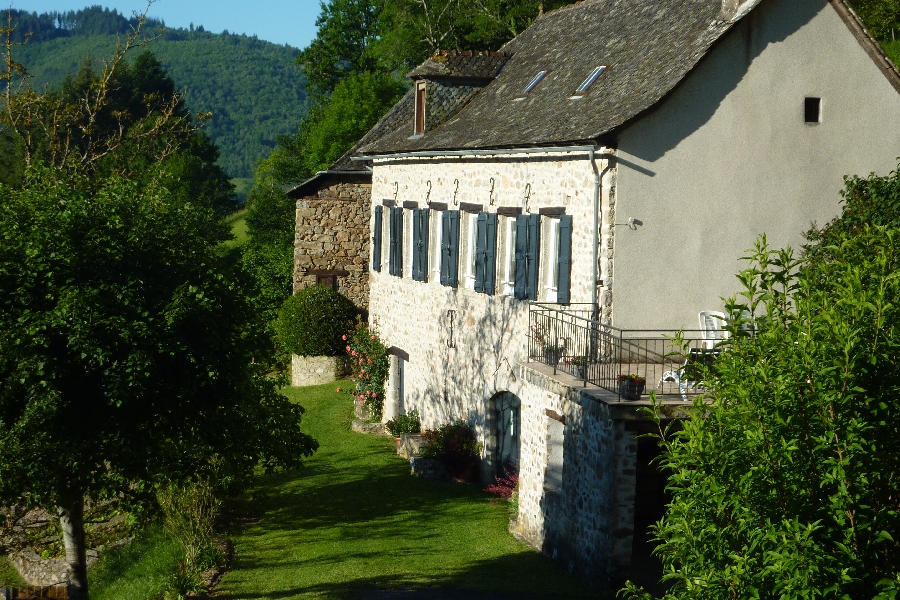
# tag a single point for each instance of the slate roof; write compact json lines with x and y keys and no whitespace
{"x":463,"y":64}
{"x":647,"y":46}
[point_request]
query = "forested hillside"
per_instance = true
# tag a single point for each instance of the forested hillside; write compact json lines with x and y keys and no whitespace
{"x":253,"y":88}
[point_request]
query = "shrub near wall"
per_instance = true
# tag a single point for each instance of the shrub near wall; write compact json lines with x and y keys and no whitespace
{"x":312,"y":321}
{"x":370,"y":365}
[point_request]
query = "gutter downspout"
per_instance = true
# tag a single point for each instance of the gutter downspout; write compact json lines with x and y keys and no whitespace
{"x":594,"y":266}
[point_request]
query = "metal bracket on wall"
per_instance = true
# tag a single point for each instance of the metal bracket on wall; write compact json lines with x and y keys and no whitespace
{"x":456,"y":191}
{"x":527,"y":197}
{"x":491,"y":198}
{"x":396,"y":189}
{"x":451,"y":315}
{"x":428,"y":193}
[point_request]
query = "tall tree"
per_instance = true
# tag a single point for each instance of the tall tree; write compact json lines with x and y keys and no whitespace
{"x":126,"y":347}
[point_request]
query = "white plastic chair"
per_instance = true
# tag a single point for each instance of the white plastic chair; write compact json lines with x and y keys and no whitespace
{"x":712,"y":326}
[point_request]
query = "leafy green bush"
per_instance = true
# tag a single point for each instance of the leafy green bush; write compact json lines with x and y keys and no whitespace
{"x":312,"y":321}
{"x":404,"y":424}
{"x":454,"y":445}
{"x":785,"y":484}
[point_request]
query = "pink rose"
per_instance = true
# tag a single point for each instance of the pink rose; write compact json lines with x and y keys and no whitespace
{"x":372,"y":338}
{"x":348,"y":348}
{"x":344,"y":337}
{"x":339,"y":390}
{"x":353,"y":353}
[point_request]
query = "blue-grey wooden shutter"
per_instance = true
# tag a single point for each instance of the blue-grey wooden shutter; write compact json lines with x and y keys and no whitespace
{"x":521,"y":267}
{"x":417,"y":234}
{"x":480,"y":244}
{"x":424,"y":215}
{"x":392,"y":242}
{"x":396,"y":241}
{"x":376,"y":241}
{"x":564,"y":260}
{"x":532,"y":256}
{"x":490,"y":253}
{"x":450,"y":249}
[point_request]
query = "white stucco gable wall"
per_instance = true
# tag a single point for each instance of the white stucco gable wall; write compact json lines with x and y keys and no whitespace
{"x":728,"y":156}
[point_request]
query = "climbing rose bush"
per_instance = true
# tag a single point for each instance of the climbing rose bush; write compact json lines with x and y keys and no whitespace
{"x":369,"y":362}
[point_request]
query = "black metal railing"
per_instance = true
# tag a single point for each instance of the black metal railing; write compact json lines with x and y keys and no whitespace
{"x":627,"y":362}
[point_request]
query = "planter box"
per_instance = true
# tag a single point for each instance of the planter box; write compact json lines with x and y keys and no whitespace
{"x":316,"y":370}
{"x":631,"y":390}
{"x":409,"y":445}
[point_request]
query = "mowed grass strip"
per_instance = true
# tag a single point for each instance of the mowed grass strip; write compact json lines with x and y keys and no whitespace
{"x":354,"y":519}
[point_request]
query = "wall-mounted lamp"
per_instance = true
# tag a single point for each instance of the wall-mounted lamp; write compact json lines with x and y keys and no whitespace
{"x":632,"y":223}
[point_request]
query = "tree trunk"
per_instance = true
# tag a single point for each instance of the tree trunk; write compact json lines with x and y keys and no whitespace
{"x":72,"y":520}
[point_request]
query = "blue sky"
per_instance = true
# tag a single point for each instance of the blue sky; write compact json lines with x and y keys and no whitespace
{"x":281,"y":21}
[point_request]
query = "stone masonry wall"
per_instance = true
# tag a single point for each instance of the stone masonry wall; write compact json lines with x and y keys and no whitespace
{"x":332,"y":235}
{"x":464,"y":346}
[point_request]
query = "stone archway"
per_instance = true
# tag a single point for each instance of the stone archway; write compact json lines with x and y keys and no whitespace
{"x":504,"y":433}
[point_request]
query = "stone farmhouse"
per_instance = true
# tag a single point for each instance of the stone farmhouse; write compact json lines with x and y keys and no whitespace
{"x":543,"y":215}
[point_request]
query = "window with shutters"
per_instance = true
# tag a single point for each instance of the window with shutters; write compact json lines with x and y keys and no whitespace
{"x":450,"y":248}
{"x":436,"y":250}
{"x":470,"y":233}
{"x":509,"y":255}
{"x":410,"y":250}
{"x":557,"y":254}
{"x":485,"y":252}
{"x":527,"y":256}
{"x":551,"y":251}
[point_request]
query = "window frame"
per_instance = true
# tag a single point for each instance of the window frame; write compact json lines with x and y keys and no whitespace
{"x":509,"y":259}
{"x":471,"y":234}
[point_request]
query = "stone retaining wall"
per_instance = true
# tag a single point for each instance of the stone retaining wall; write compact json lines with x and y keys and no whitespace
{"x":316,"y":370}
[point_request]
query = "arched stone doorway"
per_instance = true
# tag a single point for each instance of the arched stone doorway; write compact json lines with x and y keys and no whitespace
{"x":506,"y":428}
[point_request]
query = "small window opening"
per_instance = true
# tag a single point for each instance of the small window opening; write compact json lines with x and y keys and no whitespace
{"x":813,"y":110}
{"x":420,"y":108}
{"x":532,"y":84}
{"x":587,"y":83}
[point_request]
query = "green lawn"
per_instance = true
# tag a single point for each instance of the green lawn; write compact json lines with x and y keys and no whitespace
{"x":354,"y":518}
{"x":142,"y":570}
{"x":238,"y":223}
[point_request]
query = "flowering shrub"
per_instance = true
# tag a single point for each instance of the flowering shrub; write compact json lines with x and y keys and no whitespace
{"x":370,"y":365}
{"x":507,"y":487}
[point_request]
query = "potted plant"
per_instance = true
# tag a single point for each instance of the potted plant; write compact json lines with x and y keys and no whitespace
{"x":552,"y":348}
{"x":403,"y":425}
{"x":579,"y":366}
{"x":631,"y":386}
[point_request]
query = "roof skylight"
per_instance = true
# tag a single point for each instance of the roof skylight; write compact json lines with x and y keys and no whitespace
{"x":587,"y":83}
{"x":532,"y":84}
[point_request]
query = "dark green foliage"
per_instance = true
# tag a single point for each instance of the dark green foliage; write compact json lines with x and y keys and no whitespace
{"x":453,"y":438}
{"x":312,"y":321}
{"x":785,"y":486}
{"x":881,"y":17}
{"x":346,"y":30}
{"x":126,"y":353}
{"x":873,"y":200}
{"x":252,"y":88}
{"x":332,"y":127}
{"x":404,"y":424}
{"x":12,"y":160}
